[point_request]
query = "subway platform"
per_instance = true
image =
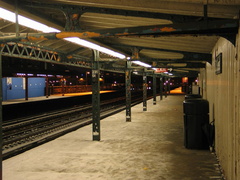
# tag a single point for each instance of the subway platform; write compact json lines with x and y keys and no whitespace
{"x":55,"y":96}
{"x":148,"y":148}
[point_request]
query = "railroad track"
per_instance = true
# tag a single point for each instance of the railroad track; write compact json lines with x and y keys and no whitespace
{"x":23,"y":134}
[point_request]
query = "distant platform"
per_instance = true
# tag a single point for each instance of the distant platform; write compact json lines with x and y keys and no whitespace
{"x":55,"y":96}
{"x":177,"y":91}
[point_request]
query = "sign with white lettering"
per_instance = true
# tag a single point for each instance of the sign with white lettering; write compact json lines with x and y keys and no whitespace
{"x":161,"y":70}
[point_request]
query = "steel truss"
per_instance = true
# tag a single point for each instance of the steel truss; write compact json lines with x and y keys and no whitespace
{"x":27,"y":51}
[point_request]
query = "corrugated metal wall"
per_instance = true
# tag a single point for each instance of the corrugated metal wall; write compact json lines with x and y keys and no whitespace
{"x":223,"y":93}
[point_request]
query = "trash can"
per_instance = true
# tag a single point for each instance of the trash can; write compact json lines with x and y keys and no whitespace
{"x":196,"y":117}
{"x":192,"y":96}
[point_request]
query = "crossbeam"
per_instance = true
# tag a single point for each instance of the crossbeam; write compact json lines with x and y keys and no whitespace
{"x":39,"y":54}
{"x":217,"y":27}
{"x":187,"y":56}
{"x":74,"y":9}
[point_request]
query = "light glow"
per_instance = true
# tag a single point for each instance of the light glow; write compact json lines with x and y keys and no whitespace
{"x":24,"y":21}
{"x":142,"y":64}
{"x":95,"y":46}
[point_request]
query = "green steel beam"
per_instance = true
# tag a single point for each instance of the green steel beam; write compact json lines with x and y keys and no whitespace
{"x":144,"y":92}
{"x":185,"y":74}
{"x":171,"y":65}
{"x":1,"y":118}
{"x":95,"y":97}
{"x":215,"y":27}
{"x":38,"y":13}
{"x":154,"y":89}
{"x":187,"y":56}
{"x":186,"y":24}
{"x":168,"y":86}
{"x":128,"y":90}
{"x":72,"y":21}
{"x":161,"y":88}
{"x":165,"y":87}
{"x":75,"y":9}
{"x":33,"y":52}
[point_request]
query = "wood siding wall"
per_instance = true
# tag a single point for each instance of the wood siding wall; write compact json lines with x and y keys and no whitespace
{"x":223,"y":93}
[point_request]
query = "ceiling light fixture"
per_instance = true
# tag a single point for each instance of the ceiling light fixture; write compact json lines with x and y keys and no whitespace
{"x":10,"y":16}
{"x":142,"y":64}
{"x":95,"y":46}
{"x":24,"y":21}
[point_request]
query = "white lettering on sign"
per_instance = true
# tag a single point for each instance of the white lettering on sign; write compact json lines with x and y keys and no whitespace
{"x":161,"y":70}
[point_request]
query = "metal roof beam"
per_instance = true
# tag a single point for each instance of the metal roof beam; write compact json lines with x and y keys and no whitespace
{"x":74,"y":9}
{"x":218,"y":27}
{"x":36,"y":12}
{"x":187,"y":65}
{"x":187,"y":56}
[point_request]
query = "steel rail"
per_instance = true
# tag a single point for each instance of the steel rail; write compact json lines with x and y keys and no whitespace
{"x":54,"y":126}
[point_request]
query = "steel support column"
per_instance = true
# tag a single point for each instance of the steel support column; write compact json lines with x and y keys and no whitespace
{"x":169,"y":86}
{"x":1,"y":98}
{"x":144,"y":92}
{"x":26,"y":87}
{"x":95,"y":96}
{"x":154,"y":89}
{"x":165,"y":87}
{"x":47,"y":86}
{"x":128,"y":91}
{"x":161,"y":88}
{"x":63,"y":88}
{"x":47,"y":82}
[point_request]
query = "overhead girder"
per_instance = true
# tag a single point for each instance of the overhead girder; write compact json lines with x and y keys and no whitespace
{"x":214,"y":27}
{"x":182,"y":24}
{"x":72,"y":21}
{"x":185,"y":65}
{"x":40,"y":54}
{"x":207,"y":26}
{"x":186,"y":74}
{"x":38,"y":13}
{"x":28,"y":51}
{"x":75,"y":9}
{"x":225,"y":28}
{"x":140,"y":70}
{"x":187,"y":56}
{"x":164,"y":61}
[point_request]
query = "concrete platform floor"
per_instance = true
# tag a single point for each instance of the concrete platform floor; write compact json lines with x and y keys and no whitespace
{"x":148,"y":148}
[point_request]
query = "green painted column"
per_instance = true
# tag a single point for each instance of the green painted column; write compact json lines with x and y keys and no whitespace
{"x":144,"y":92}
{"x":95,"y":97}
{"x":26,"y":87}
{"x":169,"y":86}
{"x":165,"y":87}
{"x":161,"y":88}
{"x":1,"y":120}
{"x":128,"y":91}
{"x":154,"y":89}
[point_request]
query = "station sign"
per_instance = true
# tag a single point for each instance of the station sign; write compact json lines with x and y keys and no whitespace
{"x":161,"y":70}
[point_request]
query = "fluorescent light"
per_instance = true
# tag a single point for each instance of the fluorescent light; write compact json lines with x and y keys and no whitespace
{"x":142,"y":64}
{"x":10,"y":16}
{"x":95,"y":46}
{"x":24,"y":21}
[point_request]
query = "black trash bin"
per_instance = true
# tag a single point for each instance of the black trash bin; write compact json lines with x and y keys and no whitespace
{"x":195,"y":119}
{"x":192,"y":96}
